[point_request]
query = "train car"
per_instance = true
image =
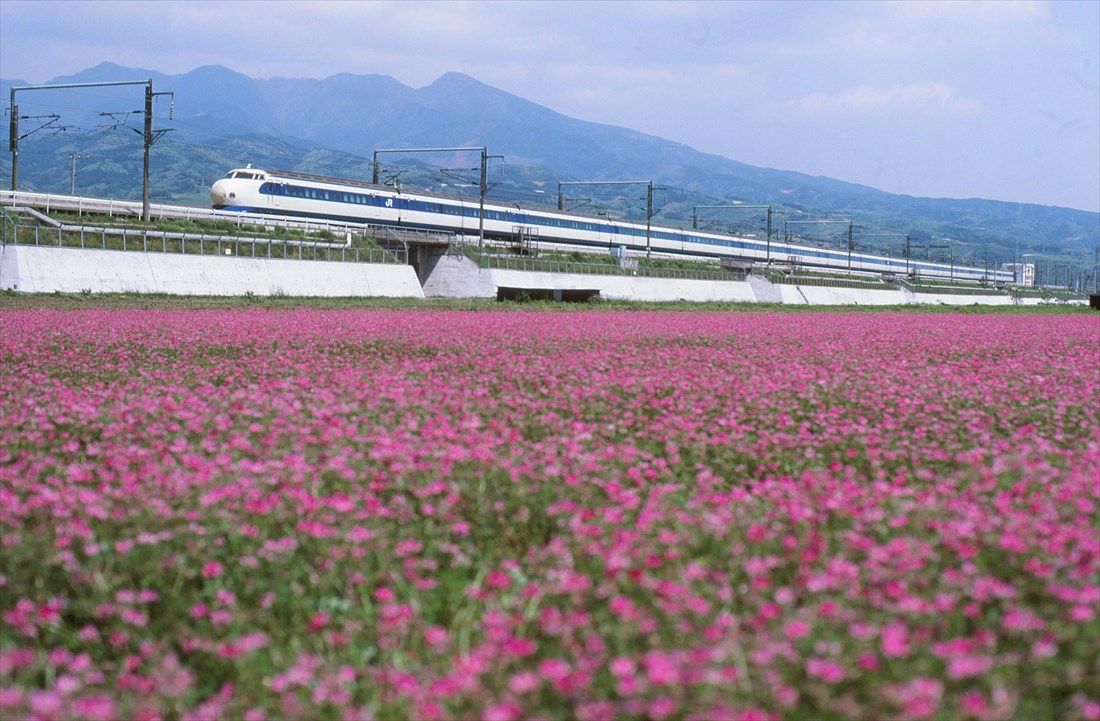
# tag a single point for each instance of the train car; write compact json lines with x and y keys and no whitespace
{"x":252,"y":190}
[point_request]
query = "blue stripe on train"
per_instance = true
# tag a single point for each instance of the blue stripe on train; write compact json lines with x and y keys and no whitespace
{"x":835,"y":256}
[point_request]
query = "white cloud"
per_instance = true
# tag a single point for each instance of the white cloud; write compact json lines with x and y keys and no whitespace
{"x":933,"y":99}
{"x":888,"y":32}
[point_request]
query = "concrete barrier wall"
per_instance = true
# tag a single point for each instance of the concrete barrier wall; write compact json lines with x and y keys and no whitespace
{"x":1051,"y":301}
{"x":34,"y":269}
{"x":622,"y":287}
{"x":820,"y":295}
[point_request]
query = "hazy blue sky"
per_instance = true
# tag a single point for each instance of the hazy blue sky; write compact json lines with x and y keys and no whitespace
{"x":991,"y":100}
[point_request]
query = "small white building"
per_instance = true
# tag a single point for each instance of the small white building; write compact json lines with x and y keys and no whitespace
{"x":1024,"y":273}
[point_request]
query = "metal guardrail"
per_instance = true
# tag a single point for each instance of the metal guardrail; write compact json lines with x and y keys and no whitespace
{"x":125,"y":239}
{"x":132,"y":210}
{"x":822,"y":282}
{"x":949,"y":289}
{"x":543,"y":265}
{"x":839,"y":283}
{"x":1049,"y":294}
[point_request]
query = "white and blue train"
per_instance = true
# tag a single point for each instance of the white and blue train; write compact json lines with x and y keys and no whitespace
{"x":252,"y":190}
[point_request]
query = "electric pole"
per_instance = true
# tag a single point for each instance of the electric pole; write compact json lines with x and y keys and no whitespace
{"x":483,"y":182}
{"x":13,"y":140}
{"x":72,"y":173}
{"x":741,"y":206}
{"x":648,"y":196}
{"x":648,"y":215}
{"x":149,"y":136}
{"x":849,"y":247}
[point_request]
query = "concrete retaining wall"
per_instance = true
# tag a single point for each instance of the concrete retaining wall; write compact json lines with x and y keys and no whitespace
{"x":35,"y":269}
{"x":623,"y":287}
{"x":41,"y":269}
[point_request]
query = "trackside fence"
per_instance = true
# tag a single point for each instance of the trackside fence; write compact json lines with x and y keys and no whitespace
{"x":15,"y":232}
{"x":129,"y":211}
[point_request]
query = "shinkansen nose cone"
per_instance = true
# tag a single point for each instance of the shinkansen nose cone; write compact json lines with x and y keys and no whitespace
{"x":220,"y":195}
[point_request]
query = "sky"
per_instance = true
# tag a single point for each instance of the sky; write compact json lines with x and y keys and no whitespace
{"x":997,"y":100}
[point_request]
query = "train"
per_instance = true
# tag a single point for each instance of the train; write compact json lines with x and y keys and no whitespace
{"x":253,"y":190}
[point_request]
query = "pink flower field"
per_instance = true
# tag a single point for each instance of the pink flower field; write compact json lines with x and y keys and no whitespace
{"x":318,"y":514}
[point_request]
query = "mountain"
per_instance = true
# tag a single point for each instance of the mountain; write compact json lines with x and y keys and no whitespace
{"x":223,"y":118}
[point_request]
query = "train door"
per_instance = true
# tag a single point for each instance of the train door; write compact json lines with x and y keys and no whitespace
{"x":275,"y":192}
{"x":605,"y":233}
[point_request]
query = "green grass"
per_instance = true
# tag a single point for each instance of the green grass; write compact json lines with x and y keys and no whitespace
{"x":62,"y":301}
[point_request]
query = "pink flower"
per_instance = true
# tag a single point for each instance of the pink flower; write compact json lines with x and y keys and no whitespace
{"x":212,"y":569}
{"x":824,"y":669}
{"x":519,"y":647}
{"x":436,"y":637}
{"x":497,"y":579}
{"x":10,"y":697}
{"x":796,"y":630}
{"x":895,"y":640}
{"x":661,"y":708}
{"x":1082,"y":613}
{"x":973,"y":704}
{"x":523,"y":682}
{"x":554,"y":669}
{"x":622,"y":667}
{"x":968,"y":666}
{"x":95,"y":708}
{"x":502,"y":712}
{"x":660,"y":669}
{"x":46,"y":704}
{"x":407,"y":547}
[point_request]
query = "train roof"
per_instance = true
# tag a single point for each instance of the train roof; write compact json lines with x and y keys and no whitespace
{"x":431,"y":194}
{"x":327,"y":179}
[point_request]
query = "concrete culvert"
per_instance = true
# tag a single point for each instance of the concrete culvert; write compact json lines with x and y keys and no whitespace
{"x":572,"y":295}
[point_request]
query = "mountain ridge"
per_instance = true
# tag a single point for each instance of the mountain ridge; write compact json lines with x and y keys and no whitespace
{"x":355,"y":113}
